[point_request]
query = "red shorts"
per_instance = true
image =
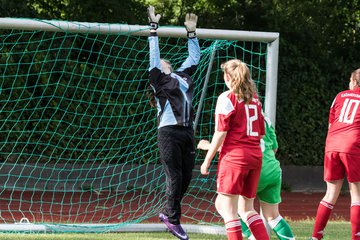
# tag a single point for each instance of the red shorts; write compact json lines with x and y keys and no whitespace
{"x":337,"y":164}
{"x":237,"y":181}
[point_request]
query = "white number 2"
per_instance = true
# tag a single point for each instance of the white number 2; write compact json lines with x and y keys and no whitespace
{"x":251,"y":119}
{"x":345,"y":115}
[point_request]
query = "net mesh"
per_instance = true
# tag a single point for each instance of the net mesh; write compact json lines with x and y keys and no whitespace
{"x":78,"y":136}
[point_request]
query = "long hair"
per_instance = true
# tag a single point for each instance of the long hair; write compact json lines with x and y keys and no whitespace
{"x":151,"y":95}
{"x":240,"y":81}
{"x":355,"y":75}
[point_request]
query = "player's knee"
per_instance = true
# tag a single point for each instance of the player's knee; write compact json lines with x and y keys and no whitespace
{"x":271,"y":217}
{"x":225,"y":210}
{"x":270,"y":214}
{"x":330,"y":197}
{"x":248,"y":214}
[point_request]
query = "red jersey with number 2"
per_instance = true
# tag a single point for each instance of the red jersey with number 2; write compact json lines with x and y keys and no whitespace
{"x":344,"y":123}
{"x":244,"y":124}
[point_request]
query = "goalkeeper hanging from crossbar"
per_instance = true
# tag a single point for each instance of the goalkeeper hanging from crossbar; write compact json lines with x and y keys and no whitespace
{"x":172,"y":94}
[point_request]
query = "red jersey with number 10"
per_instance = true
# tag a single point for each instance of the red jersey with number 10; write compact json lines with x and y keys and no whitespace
{"x":244,"y":124}
{"x":344,"y":123}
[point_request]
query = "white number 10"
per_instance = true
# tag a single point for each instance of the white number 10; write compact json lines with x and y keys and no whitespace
{"x":251,"y":119}
{"x":345,"y":115}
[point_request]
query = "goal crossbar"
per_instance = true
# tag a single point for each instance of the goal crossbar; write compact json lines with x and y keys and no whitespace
{"x":137,"y":30}
{"x":272,"y":38}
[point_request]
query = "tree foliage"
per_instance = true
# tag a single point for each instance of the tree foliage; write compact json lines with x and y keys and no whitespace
{"x":319,"y":46}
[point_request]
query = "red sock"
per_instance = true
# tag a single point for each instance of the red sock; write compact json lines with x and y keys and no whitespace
{"x":233,"y":230}
{"x":257,"y":227}
{"x":322,"y":217}
{"x":355,"y":220}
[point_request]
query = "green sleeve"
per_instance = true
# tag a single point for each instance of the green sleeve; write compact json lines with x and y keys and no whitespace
{"x":270,"y":137}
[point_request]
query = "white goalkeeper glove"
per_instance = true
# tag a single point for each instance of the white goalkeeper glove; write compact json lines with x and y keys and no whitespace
{"x":190,"y":24}
{"x":153,"y":19}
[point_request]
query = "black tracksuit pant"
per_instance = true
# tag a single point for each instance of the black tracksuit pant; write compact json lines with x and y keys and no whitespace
{"x":177,"y":155}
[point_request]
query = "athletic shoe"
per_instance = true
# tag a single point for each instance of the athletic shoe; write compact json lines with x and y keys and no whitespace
{"x":176,"y":230}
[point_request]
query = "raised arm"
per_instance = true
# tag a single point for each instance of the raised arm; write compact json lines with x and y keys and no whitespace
{"x":271,"y":135}
{"x":192,"y":61}
{"x":155,"y":66}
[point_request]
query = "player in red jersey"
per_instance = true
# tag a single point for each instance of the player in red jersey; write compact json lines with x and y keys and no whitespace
{"x":239,"y":126}
{"x":342,"y":156}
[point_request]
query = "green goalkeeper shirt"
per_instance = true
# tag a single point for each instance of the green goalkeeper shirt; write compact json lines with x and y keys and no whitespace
{"x":270,"y":171}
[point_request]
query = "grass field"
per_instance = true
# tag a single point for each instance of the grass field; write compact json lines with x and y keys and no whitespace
{"x":302,"y":230}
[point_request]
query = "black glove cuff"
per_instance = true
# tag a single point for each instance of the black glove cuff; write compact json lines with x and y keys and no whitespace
{"x":153,"y":34}
{"x":191,"y":34}
{"x":154,"y":25}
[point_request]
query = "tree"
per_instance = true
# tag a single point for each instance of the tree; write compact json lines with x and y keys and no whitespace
{"x":319,"y":46}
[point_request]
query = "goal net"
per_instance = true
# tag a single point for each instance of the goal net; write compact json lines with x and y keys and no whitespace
{"x":78,"y":148}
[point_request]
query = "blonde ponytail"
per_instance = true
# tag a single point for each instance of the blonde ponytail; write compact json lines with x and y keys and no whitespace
{"x":241,"y":83}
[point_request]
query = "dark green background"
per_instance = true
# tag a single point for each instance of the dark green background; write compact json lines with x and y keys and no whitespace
{"x":319,"y":47}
